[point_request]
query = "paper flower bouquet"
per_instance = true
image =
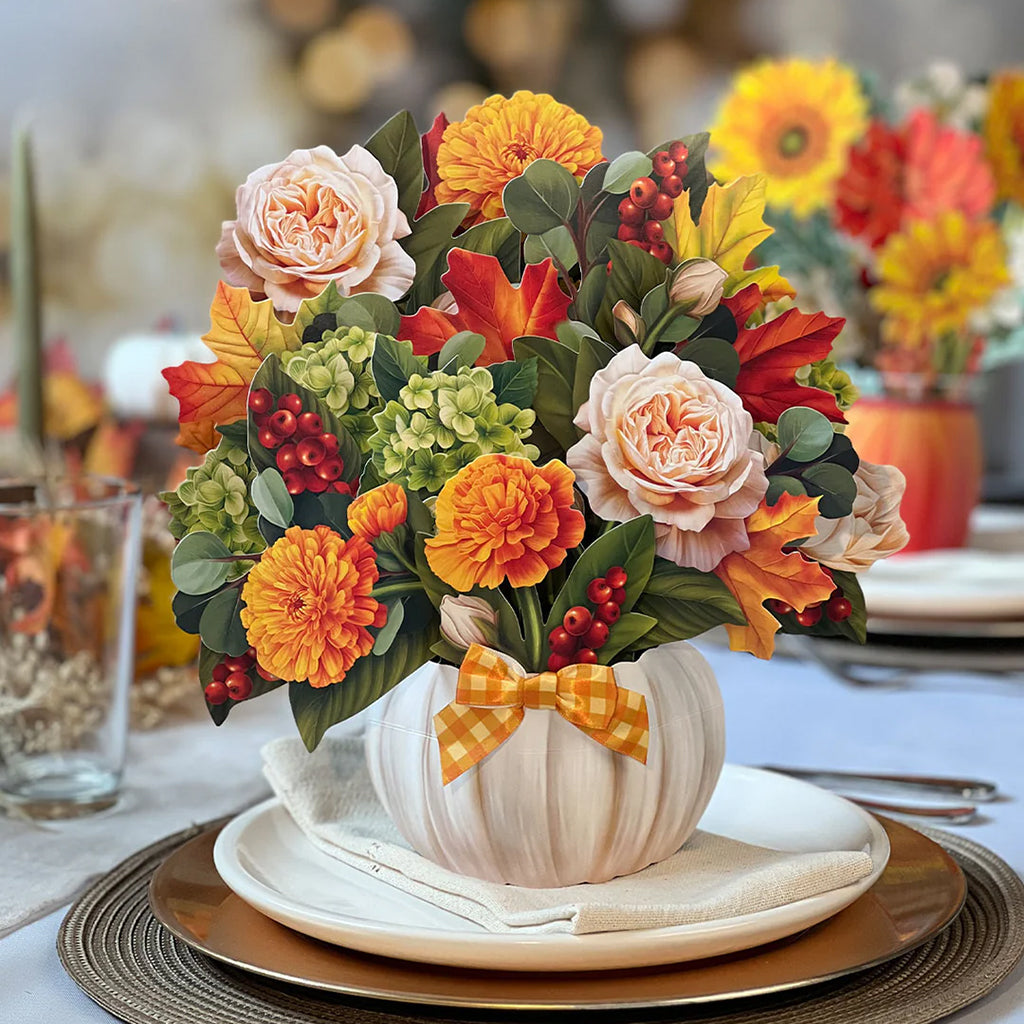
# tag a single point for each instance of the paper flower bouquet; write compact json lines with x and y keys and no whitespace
{"x":503,"y":420}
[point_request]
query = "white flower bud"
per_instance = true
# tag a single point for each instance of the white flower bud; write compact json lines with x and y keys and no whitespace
{"x":697,"y":284}
{"x":468,"y":620}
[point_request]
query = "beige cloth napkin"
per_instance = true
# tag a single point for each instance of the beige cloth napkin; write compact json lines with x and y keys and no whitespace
{"x":331,"y":798}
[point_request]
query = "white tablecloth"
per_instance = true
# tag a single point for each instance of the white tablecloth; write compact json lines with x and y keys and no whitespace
{"x":783,"y":712}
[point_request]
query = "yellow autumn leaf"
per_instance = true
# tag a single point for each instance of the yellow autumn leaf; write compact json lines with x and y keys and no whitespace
{"x":731,"y":227}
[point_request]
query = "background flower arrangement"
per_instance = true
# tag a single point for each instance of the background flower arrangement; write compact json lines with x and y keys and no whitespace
{"x":501,"y":391}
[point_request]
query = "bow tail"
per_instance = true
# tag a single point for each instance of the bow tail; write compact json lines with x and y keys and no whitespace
{"x":629,"y":728}
{"x":466,"y":735}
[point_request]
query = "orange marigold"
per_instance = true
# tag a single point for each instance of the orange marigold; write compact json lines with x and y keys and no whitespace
{"x":481,"y":154}
{"x":308,"y":605}
{"x":501,"y":517}
{"x":378,"y":511}
{"x":1004,"y":133}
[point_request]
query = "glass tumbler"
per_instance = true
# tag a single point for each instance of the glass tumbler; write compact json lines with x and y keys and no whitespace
{"x":69,"y":563}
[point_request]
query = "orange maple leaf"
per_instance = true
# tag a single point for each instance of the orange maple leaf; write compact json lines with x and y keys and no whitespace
{"x":764,"y":570}
{"x":242,"y":334}
{"x":489,"y":304}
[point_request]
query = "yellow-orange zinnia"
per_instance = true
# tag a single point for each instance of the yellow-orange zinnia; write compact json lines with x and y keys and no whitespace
{"x":308,"y":605}
{"x":1004,"y":133}
{"x":481,"y":154}
{"x":378,"y":511}
{"x":502,"y":517}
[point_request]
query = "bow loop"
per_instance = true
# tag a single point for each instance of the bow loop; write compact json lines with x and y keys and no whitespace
{"x":490,"y":700}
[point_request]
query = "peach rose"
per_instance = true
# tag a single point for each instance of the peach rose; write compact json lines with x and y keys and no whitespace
{"x":874,"y":530}
{"x":316,"y":218}
{"x":665,"y":440}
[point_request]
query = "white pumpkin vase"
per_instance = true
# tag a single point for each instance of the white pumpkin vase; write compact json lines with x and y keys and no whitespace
{"x":551,"y":806}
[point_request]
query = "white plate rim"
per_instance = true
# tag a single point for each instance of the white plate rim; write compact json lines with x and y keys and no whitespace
{"x":546,"y":952}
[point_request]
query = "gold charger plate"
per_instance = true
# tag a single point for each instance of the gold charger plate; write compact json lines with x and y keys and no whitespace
{"x":920,"y":892}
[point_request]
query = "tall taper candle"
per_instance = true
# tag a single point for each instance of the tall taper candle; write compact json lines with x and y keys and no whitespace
{"x":25,"y":289}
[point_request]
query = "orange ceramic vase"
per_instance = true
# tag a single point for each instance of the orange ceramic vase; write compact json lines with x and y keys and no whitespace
{"x":937,"y":445}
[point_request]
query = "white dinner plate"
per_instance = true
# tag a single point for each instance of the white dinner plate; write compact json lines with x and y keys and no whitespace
{"x":966,"y":583}
{"x":264,"y":857}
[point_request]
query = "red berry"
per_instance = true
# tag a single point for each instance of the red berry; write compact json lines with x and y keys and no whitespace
{"x":630,"y":213}
{"x":557,"y":661}
{"x":643,"y":192}
{"x":310,"y":451}
{"x":240,"y":664}
{"x":561,"y":642}
{"x":629,"y":233}
{"x":215,"y":692}
{"x":267,"y":438}
{"x":239,"y":685}
{"x":342,"y":487}
{"x":586,"y":657}
{"x":330,"y":469}
{"x":314,"y":483}
{"x":598,"y":591}
{"x":661,"y":208}
{"x":295,"y":481}
{"x":682,"y":169}
{"x":286,"y":458}
{"x":597,"y":635}
{"x":609,"y":612}
{"x":654,"y":232}
{"x":672,"y":185}
{"x":639,"y":244}
{"x":678,"y":151}
{"x":220,"y":672}
{"x":330,"y":443}
{"x":577,"y":620}
{"x":779,"y":607}
{"x":616,"y":577}
{"x":261,"y":401}
{"x":810,"y":616}
{"x":283,"y":423}
{"x":262,"y":420}
{"x":608,"y":267}
{"x":291,"y":402}
{"x":264,"y":674}
{"x":663,"y":163}
{"x":309,"y":424}
{"x":619,"y":595}
{"x":663,"y":251}
{"x":838,"y":608}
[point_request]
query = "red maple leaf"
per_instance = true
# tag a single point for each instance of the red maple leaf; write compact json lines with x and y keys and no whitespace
{"x":771,"y":354}
{"x":431,"y":141}
{"x":489,"y":304}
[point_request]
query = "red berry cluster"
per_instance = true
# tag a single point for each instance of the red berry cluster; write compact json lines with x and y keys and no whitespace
{"x":307,"y":456}
{"x":650,"y":202}
{"x":232,"y":679}
{"x":583,"y":632}
{"x":837,"y":608}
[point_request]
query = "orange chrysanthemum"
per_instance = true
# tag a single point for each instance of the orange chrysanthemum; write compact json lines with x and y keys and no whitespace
{"x":481,"y":154}
{"x":308,"y":605}
{"x":378,"y":511}
{"x":1004,"y":133}
{"x":916,"y":172}
{"x":502,"y":517}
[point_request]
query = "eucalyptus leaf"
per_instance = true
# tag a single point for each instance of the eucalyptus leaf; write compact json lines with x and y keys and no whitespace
{"x":779,"y":485}
{"x":382,"y":312}
{"x":194,"y":566}
{"x":461,"y":349}
{"x":556,"y":244}
{"x":804,"y":434}
{"x":220,"y":625}
{"x":388,"y":632}
{"x":834,"y":485}
{"x":188,"y":609}
{"x":542,"y":197}
{"x":624,"y":170}
{"x":271,"y":498}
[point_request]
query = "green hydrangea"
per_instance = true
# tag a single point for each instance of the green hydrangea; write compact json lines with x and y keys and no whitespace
{"x":441,"y":423}
{"x":337,"y":369}
{"x":215,"y":497}
{"x":828,"y":377}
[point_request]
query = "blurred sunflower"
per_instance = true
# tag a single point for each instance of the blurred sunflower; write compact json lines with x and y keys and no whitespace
{"x":1004,"y":133}
{"x":934,"y":274}
{"x":795,"y":120}
{"x":497,"y":139}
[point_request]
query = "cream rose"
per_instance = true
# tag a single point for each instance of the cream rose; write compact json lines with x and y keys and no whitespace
{"x":665,"y":440}
{"x":316,"y":218}
{"x":873,"y":531}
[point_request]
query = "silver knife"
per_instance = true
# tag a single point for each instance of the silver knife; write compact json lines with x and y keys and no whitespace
{"x":925,"y":785}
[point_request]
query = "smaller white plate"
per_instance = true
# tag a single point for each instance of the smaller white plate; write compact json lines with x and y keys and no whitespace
{"x":966,"y":583}
{"x":264,"y":857}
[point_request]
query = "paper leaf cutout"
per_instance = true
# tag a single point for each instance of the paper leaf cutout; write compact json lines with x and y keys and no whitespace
{"x":771,"y":354}
{"x":430,"y":142}
{"x":765,"y":571}
{"x":242,"y":334}
{"x":488,"y":303}
{"x":731,"y":227}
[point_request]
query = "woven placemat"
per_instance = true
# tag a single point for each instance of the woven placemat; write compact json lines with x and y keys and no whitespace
{"x":122,"y":958}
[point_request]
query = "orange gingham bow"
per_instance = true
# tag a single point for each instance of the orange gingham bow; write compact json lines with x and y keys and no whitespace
{"x":490,"y":702}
